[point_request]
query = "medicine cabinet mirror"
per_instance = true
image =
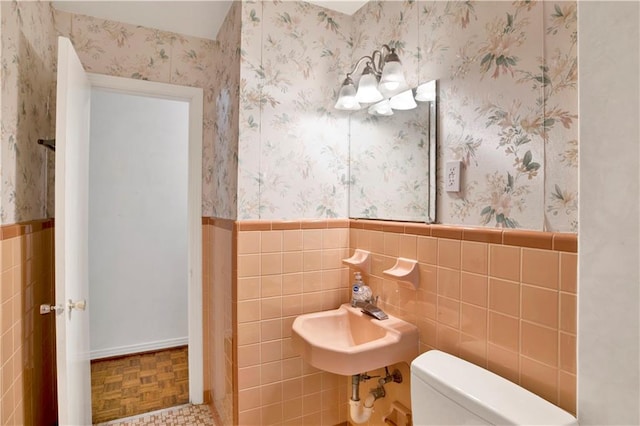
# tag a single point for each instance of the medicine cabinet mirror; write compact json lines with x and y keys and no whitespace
{"x":392,"y":162}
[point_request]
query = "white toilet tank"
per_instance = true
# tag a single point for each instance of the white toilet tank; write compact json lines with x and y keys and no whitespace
{"x":446,"y":390}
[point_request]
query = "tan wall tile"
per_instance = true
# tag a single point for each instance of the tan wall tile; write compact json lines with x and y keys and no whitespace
{"x":569,"y":272}
{"x":449,"y":312}
{"x":248,"y":288}
{"x":377,"y":242}
{"x":312,"y":239}
{"x":312,"y":281}
{"x":427,"y":250}
{"x":248,"y":355}
{"x":448,"y":339}
{"x":249,"y":399}
{"x":312,"y":260}
{"x":249,"y":265}
{"x":540,"y":267}
{"x":271,"y":241}
{"x":504,"y":331}
{"x":475,"y":257}
{"x":567,"y":391}
{"x":248,"y":333}
{"x":271,"y":285}
{"x":270,"y":329}
{"x":474,"y":289}
{"x":568,"y":353}
{"x":473,"y":349}
{"x":474,"y":321}
{"x":504,"y":262}
{"x":291,"y":262}
{"x":449,"y":253}
{"x":250,"y":417}
{"x":292,"y":305}
{"x":539,"y":378}
{"x":292,"y":240}
{"x":271,"y":372}
{"x":292,"y":283}
{"x":271,"y":264}
{"x":271,"y":308}
{"x":540,"y":305}
{"x":449,"y":283}
{"x":568,"y":312}
{"x":249,"y":242}
{"x":271,"y":351}
{"x":391,"y":244}
{"x":539,"y":343}
{"x":504,"y":297}
{"x":408,"y":246}
{"x":503,"y":362}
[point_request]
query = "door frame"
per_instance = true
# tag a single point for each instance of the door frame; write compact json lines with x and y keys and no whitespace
{"x":194,"y":96}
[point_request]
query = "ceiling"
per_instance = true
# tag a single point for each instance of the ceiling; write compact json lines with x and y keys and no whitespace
{"x":193,"y":18}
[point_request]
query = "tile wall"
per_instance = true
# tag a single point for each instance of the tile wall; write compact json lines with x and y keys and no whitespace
{"x":504,"y":300}
{"x":217,"y":249}
{"x":27,"y":339}
{"x":285,"y":269}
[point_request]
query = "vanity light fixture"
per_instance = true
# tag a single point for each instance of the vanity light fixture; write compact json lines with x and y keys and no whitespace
{"x":382,"y":78}
{"x":426,"y":92}
{"x":382,"y":85}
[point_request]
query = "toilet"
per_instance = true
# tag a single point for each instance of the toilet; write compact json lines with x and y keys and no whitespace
{"x":446,"y":390}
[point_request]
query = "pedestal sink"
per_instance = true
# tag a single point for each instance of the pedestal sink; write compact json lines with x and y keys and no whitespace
{"x":346,"y":341}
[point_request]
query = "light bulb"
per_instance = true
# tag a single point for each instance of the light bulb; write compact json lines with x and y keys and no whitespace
{"x":381,"y":108}
{"x":403,"y":101}
{"x":347,"y":97}
{"x":368,"y":89}
{"x":426,"y":91}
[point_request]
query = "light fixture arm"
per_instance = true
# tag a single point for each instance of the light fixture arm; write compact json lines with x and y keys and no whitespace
{"x":360,"y":61}
{"x":375,"y":66}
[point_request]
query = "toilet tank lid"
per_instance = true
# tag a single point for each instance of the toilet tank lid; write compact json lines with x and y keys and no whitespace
{"x":484,"y":393}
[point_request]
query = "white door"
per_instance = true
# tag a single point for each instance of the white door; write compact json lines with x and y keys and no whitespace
{"x":71,"y":238}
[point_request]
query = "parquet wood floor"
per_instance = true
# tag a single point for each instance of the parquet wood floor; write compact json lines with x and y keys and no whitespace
{"x":139,"y":383}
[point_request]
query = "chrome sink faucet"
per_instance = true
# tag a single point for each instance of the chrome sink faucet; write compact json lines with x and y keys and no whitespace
{"x":370,"y":308}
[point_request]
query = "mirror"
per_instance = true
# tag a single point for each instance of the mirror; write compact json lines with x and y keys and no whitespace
{"x":392,"y":161}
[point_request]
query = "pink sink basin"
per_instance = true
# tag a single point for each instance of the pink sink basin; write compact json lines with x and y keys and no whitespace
{"x":346,"y":341}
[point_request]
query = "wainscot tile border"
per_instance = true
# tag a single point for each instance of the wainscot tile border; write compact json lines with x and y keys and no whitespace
{"x":24,"y":228}
{"x":556,"y":241}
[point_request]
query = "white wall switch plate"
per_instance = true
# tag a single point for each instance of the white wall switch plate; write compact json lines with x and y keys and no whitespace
{"x":452,"y":172}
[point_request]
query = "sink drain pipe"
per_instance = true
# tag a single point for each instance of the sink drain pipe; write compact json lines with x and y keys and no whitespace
{"x":360,"y":413}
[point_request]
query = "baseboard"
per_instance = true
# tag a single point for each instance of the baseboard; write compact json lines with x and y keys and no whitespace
{"x":137,"y":348}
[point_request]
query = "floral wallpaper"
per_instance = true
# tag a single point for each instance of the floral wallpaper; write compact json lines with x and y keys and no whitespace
{"x":293,"y":146}
{"x":28,"y":109}
{"x":226,"y":124}
{"x":508,"y":109}
{"x":507,"y":75}
{"x":125,"y":50}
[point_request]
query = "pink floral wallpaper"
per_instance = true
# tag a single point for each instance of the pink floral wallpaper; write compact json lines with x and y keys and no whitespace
{"x":226,"y":119}
{"x":293,"y":146}
{"x":125,"y":50}
{"x":508,"y":109}
{"x":28,"y":109}
{"x":507,"y":106}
